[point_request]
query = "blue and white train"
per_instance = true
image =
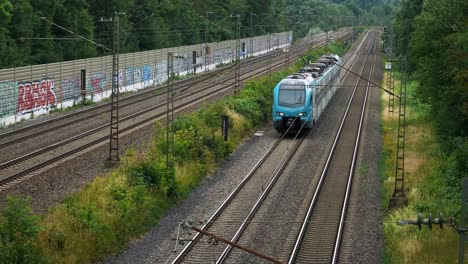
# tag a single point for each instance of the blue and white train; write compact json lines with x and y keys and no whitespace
{"x":300,"y":98}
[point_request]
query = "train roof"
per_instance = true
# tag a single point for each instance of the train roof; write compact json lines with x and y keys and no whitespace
{"x":331,"y":57}
{"x":312,"y":71}
{"x":292,"y":83}
{"x":298,"y":76}
{"x":319,"y":64}
{"x":323,"y":60}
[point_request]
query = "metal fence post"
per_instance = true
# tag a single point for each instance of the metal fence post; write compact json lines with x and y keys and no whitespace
{"x":225,"y":126}
{"x":16,"y":87}
{"x":83,"y":86}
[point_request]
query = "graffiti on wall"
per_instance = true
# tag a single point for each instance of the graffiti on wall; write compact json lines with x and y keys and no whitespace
{"x":129,"y":79}
{"x":121,"y":82}
{"x":29,"y":95}
{"x":138,"y":74}
{"x":142,"y":74}
{"x":160,"y":72}
{"x":8,"y":98}
{"x":146,"y":74}
{"x":71,"y":88}
{"x":221,"y":55}
{"x":97,"y":83}
{"x":36,"y":95}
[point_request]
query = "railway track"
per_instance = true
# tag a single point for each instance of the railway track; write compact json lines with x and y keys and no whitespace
{"x":16,"y":167}
{"x":222,"y":223}
{"x":232,"y":216}
{"x":322,"y":228}
{"x":258,"y":223}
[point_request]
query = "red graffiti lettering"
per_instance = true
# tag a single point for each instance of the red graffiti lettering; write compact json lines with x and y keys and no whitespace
{"x":36,"y":95}
{"x":95,"y":83}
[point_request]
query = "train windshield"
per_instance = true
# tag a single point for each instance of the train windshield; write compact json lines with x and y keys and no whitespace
{"x":291,"y":95}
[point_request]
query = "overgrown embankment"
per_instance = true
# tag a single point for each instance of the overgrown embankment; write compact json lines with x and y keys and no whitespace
{"x":427,"y":182}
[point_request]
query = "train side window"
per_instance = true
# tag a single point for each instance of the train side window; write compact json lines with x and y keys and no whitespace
{"x":194,"y":57}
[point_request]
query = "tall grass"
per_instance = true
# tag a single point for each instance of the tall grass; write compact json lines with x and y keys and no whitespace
{"x":425,"y":190}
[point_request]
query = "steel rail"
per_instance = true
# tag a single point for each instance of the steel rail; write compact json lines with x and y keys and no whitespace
{"x":218,"y":212}
{"x":277,"y":173}
{"x":351,"y":170}
{"x":92,"y":143}
{"x":179,"y":258}
{"x":324,"y":171}
{"x":228,"y":200}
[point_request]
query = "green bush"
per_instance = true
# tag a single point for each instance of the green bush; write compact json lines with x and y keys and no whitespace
{"x":19,"y":228}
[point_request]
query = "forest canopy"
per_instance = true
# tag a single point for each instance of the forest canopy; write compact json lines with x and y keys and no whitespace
{"x":27,"y":35}
{"x":433,"y":36}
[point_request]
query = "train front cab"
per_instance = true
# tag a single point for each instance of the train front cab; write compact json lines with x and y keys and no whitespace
{"x":292,"y":107}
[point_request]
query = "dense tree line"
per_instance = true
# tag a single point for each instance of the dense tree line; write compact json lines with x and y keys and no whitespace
{"x":433,"y":35}
{"x":306,"y":15}
{"x":27,"y":35}
{"x":26,"y":38}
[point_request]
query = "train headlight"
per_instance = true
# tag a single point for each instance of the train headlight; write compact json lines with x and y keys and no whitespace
{"x":279,"y":113}
{"x":303,"y":114}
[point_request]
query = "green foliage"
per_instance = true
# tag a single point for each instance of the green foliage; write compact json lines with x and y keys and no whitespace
{"x":26,"y":39}
{"x":18,"y":230}
{"x":403,"y":23}
{"x":434,"y":34}
{"x":434,"y":168}
{"x":310,"y":15}
{"x":7,"y":45}
{"x":75,"y":16}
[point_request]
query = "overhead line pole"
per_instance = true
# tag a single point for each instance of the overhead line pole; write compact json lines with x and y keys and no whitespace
{"x":399,"y":198}
{"x":170,"y":137}
{"x":251,"y":34}
{"x":237,"y":69}
{"x":114,"y":124}
{"x":206,"y":38}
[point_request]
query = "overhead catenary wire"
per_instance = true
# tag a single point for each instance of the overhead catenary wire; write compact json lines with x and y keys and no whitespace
{"x":76,"y":34}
